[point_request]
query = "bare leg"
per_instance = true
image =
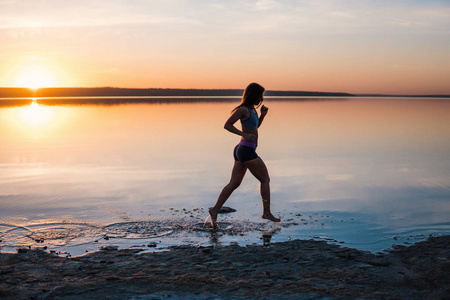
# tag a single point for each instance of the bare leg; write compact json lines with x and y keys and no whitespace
{"x":259,"y":170}
{"x":236,"y":178}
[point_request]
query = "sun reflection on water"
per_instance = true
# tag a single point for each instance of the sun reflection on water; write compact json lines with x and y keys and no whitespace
{"x":35,"y":114}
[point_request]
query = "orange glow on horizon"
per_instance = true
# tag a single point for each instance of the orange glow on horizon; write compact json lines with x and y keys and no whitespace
{"x":35,"y":77}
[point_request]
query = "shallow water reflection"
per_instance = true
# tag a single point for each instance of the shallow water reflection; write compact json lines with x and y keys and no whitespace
{"x":368,"y":172}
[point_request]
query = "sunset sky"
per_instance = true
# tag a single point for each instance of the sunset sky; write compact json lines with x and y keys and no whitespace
{"x":378,"y":46}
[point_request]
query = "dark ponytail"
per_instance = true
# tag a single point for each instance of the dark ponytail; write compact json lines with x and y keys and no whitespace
{"x":252,"y":96}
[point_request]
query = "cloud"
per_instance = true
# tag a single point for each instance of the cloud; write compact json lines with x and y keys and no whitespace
{"x":339,"y":177}
{"x":342,"y":14}
{"x":19,"y":14}
{"x":258,"y":16}
{"x":267,"y":4}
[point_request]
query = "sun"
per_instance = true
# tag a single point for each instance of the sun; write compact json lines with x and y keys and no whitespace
{"x":35,"y":77}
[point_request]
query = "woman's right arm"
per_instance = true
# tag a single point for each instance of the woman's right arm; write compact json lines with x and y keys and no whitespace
{"x":237,"y":115}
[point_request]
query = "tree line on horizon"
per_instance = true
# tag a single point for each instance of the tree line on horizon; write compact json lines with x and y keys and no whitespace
{"x":13,"y":92}
{"x":150,"y":92}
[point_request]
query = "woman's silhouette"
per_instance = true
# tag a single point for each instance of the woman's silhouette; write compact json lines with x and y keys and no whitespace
{"x":245,"y":152}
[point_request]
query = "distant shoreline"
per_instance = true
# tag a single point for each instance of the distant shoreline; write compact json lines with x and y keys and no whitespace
{"x":124,"y":92}
{"x":10,"y":92}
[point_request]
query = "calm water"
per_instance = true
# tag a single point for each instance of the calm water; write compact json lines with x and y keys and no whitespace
{"x":77,"y":174}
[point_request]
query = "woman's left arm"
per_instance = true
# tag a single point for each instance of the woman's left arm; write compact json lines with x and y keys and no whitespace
{"x":263,"y":114}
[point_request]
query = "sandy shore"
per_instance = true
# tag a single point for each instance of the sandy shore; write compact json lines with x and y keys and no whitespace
{"x":304,"y":269}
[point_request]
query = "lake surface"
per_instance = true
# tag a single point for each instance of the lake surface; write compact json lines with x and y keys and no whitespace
{"x":78,"y":174}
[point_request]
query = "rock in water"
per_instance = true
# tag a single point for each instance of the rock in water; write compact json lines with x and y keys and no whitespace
{"x":226,"y":210}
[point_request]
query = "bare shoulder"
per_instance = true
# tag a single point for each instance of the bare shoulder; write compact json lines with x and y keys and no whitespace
{"x":242,"y":111}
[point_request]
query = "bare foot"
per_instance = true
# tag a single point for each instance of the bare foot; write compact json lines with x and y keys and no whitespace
{"x":270,"y":217}
{"x":213,"y":216}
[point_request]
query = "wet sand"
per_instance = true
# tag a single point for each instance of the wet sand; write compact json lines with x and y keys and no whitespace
{"x":289,"y":270}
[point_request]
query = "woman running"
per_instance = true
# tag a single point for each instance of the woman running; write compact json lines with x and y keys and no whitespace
{"x":245,"y":156}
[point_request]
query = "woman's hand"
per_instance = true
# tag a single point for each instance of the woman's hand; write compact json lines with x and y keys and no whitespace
{"x":264,"y":110}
